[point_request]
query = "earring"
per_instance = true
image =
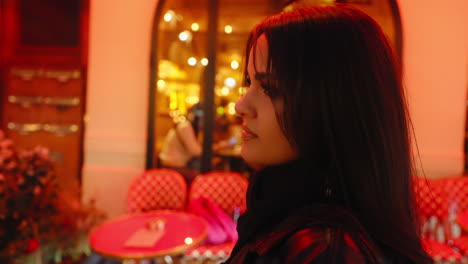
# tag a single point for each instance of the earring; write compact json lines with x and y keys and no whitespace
{"x":328,"y":191}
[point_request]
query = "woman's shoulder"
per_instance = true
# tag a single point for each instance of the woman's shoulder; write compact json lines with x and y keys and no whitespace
{"x":313,"y":234}
{"x":313,"y":245}
{"x":322,"y":245}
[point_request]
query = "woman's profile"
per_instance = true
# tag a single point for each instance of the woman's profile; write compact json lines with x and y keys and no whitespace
{"x":325,"y":124}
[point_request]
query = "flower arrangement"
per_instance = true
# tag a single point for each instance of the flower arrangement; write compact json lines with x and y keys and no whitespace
{"x":33,"y":212}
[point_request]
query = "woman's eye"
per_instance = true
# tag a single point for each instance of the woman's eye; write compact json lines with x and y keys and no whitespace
{"x":267,"y":89}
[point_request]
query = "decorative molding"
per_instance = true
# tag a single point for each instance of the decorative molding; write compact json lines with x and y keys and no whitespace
{"x":106,"y":149}
{"x":437,"y":165}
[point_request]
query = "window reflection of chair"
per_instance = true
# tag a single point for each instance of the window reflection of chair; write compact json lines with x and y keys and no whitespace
{"x":157,"y":189}
{"x":431,"y":203}
{"x":228,"y":190}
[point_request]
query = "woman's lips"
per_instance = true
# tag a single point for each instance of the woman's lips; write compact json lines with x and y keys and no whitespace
{"x":247,"y":134}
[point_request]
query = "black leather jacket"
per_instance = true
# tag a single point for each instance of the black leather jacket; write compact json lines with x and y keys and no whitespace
{"x":310,"y":245}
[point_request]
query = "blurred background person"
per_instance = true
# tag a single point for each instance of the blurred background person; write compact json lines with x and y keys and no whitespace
{"x":181,"y":149}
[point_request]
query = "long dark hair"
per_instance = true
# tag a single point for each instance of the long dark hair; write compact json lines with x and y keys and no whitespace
{"x":344,"y":107}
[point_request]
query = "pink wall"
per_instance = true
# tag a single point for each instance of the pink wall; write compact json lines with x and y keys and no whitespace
{"x":436,"y":70}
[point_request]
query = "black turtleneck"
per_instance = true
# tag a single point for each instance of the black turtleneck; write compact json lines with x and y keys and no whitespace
{"x":274,"y":192}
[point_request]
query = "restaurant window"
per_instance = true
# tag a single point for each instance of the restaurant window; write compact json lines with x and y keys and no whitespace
{"x":188,"y":81}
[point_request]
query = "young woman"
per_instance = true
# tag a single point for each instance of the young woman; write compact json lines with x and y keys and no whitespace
{"x":325,"y":125}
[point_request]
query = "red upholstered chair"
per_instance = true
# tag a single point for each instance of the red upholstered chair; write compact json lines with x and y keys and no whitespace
{"x":457,"y":199}
{"x":440,"y":252}
{"x":157,"y":189}
{"x":432,"y":206}
{"x":228,"y":190}
{"x":225,"y":188}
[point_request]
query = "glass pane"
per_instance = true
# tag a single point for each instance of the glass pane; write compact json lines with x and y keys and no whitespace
{"x":181,"y":54}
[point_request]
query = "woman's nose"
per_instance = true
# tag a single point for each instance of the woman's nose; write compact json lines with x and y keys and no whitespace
{"x":244,"y":108}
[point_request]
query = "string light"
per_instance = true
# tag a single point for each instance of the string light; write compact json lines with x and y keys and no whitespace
{"x":220,"y":110}
{"x":232,"y":108}
{"x":161,"y":83}
{"x":225,"y":91}
{"x":204,"y":61}
{"x":242,"y":90}
{"x":185,"y":35}
{"x":230,"y":82}
{"x":192,"y":61}
{"x":234,"y":65}
{"x":195,"y":26}
{"x":192,"y":100}
{"x":169,"y":16}
{"x":228,"y":29}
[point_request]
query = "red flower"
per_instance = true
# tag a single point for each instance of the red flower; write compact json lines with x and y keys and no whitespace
{"x":33,"y":244}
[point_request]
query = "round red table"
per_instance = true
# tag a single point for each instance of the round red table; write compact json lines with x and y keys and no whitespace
{"x":462,"y":220}
{"x":181,"y":232}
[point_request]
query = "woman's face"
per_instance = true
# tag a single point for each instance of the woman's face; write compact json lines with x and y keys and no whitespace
{"x":263,"y":140}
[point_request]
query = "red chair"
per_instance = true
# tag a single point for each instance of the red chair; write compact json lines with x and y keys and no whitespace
{"x":457,"y":199}
{"x":228,"y":190}
{"x":432,"y":206}
{"x":440,"y":252}
{"x":157,"y":189}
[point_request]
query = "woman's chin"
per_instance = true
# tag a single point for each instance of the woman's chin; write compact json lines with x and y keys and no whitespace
{"x":251,"y":158}
{"x":246,"y":153}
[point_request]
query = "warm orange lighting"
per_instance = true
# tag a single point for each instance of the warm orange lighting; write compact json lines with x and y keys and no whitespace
{"x":185,"y":35}
{"x":228,"y":29}
{"x":242,"y":90}
{"x":230,"y":82}
{"x":192,"y":61}
{"x":231,"y":108}
{"x":204,"y":61}
{"x":192,"y":100}
{"x":169,"y":16}
{"x":220,"y":110}
{"x":173,"y":101}
{"x":161,"y":84}
{"x":195,"y":26}
{"x":234,"y":65}
{"x":225,"y":91}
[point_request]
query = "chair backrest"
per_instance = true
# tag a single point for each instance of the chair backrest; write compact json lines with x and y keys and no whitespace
{"x":431,"y":204}
{"x":457,"y":202}
{"x":430,"y":198}
{"x":457,"y":194}
{"x":442,"y":199}
{"x":227,"y":189}
{"x":157,"y":189}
